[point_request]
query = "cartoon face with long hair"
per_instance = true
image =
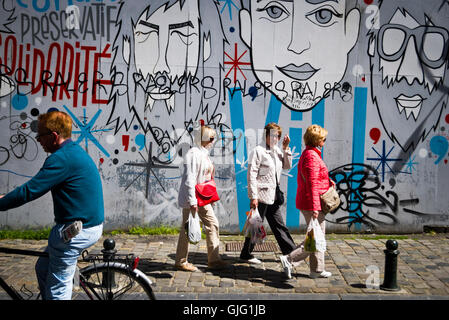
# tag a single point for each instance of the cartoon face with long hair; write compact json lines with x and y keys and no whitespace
{"x":166,"y":45}
{"x":409,"y":64}
{"x":299,"y":49}
{"x":164,"y":51}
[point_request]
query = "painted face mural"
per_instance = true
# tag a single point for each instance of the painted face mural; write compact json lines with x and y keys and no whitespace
{"x":164,"y":53}
{"x":409,"y":62}
{"x":139,"y":77}
{"x":299,"y":67}
{"x":167,"y":49}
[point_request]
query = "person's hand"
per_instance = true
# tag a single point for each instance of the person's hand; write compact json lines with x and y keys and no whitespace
{"x":194,"y":208}
{"x":1,"y":196}
{"x":253,"y":203}
{"x":315,"y":214}
{"x":285,"y":142}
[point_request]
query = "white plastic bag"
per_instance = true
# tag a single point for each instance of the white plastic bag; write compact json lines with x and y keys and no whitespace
{"x":254,"y":227}
{"x":193,"y":228}
{"x":315,"y":239}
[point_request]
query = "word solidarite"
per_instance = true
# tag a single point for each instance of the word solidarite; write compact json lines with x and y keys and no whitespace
{"x":65,"y":70}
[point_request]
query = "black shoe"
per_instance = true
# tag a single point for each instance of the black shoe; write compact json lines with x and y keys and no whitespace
{"x":246,"y":257}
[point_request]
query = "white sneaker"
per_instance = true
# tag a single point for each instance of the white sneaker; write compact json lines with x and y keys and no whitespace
{"x":287,"y":266}
{"x":324,"y":274}
{"x":254,"y":261}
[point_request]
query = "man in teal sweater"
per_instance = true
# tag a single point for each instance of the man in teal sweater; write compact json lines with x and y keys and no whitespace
{"x":75,"y":184}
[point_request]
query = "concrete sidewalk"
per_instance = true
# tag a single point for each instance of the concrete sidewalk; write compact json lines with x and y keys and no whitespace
{"x":423,"y":269}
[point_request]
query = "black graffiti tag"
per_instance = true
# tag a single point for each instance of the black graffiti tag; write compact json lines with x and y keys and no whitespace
{"x":362,"y":196}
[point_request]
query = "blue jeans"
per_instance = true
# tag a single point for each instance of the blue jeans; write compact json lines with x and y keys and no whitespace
{"x":55,"y":273}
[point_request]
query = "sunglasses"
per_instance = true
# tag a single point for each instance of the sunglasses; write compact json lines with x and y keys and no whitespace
{"x":422,"y":35}
{"x":39,"y":136}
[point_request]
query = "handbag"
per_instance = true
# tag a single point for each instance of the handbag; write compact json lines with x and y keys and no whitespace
{"x":279,"y":196}
{"x":206,"y":192}
{"x":330,"y":200}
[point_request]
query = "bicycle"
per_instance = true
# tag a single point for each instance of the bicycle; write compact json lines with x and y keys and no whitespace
{"x":108,"y":276}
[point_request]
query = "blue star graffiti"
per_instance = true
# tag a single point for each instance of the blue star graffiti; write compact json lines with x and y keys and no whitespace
{"x":229,"y":4}
{"x":410,"y":164}
{"x":384,"y":159}
{"x":86,"y":130}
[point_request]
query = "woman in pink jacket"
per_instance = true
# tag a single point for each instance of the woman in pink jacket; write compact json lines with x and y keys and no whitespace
{"x":313,"y":180}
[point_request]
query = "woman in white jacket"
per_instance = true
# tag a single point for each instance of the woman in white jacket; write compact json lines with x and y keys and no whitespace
{"x":198,"y":168}
{"x":264,"y":172}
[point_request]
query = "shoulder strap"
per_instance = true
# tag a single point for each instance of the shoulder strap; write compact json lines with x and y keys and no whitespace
{"x":330,"y":181}
{"x":273,"y":157}
{"x":300,"y":171}
{"x":317,"y":152}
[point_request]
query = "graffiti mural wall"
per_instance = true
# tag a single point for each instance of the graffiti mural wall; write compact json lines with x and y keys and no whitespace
{"x":138,"y":78}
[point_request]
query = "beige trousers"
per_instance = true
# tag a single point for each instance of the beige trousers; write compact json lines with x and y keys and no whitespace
{"x":210,"y":228}
{"x":316,"y":258}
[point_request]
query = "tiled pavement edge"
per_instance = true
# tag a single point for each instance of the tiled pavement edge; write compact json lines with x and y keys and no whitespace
{"x":423,"y":269}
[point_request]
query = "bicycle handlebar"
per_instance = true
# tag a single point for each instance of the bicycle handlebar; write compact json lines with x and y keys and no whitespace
{"x":24,"y":252}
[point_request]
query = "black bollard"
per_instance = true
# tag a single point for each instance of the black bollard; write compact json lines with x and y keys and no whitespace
{"x":109,"y":249}
{"x":391,"y":266}
{"x":108,"y":280}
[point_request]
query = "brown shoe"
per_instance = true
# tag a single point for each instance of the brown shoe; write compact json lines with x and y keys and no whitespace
{"x":186,"y":267}
{"x":217,"y":265}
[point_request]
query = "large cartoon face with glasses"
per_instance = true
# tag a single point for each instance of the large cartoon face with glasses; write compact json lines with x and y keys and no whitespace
{"x":409,"y":61}
{"x":299,"y":49}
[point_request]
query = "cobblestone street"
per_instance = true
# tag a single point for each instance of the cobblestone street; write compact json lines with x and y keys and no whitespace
{"x":423,"y":269}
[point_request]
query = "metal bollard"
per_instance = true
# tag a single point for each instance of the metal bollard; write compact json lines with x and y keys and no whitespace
{"x":108,"y":280}
{"x":108,"y":251}
{"x":391,"y":265}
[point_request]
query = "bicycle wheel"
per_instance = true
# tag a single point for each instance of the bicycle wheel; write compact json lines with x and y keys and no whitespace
{"x":112,"y":281}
